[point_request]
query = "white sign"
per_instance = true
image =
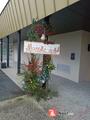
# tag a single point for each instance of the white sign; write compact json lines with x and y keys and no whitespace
{"x":41,"y":48}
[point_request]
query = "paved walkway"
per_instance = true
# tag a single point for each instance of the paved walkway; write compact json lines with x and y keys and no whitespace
{"x":22,"y":108}
{"x":73,"y":97}
{"x":8,"y":89}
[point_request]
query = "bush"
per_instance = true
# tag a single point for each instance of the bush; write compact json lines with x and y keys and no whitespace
{"x":33,"y":80}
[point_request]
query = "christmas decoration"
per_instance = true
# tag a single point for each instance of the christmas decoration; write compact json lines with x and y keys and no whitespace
{"x":36,"y":77}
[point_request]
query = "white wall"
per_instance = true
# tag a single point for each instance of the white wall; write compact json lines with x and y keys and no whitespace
{"x":65,"y":67}
{"x":85,"y":57}
{"x":73,"y":42}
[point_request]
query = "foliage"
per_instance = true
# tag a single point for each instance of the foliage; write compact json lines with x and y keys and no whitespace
{"x":33,"y":66}
{"x":48,"y":62}
{"x":45,"y":94}
{"x":36,"y":30}
{"x":31,"y":74}
{"x":31,"y":84}
{"x":32,"y":35}
{"x":35,"y":75}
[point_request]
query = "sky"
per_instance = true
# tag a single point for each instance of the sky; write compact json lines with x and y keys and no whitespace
{"x":2,"y":4}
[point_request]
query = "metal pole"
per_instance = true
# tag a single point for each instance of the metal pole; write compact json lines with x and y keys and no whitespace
{"x":1,"y":51}
{"x":7,"y":51}
{"x":19,"y":52}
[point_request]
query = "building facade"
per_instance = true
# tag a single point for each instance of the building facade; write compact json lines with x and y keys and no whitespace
{"x":67,"y":17}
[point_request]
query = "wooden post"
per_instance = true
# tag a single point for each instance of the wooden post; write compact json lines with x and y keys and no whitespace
{"x":46,"y":59}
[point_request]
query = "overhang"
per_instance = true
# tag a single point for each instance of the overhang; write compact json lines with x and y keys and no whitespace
{"x":18,"y":14}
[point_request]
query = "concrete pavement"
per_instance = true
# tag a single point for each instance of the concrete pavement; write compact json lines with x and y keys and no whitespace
{"x":22,"y":108}
{"x":8,"y":89}
{"x":73,"y":97}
